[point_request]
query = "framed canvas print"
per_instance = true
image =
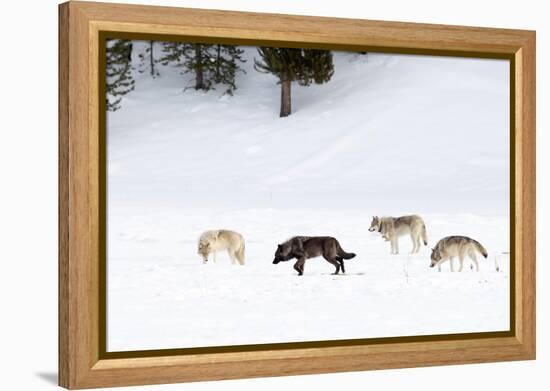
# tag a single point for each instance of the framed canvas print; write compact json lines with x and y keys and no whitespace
{"x":247,"y":195}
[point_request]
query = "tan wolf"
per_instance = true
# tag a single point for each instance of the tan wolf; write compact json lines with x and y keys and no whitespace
{"x":456,"y":246}
{"x":391,"y":228}
{"x":211,"y":242}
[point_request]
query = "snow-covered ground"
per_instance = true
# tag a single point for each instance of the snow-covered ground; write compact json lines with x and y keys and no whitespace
{"x":388,"y":135}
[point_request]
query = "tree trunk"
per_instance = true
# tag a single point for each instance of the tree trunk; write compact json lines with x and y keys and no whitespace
{"x":130,"y":48}
{"x":199,"y":78}
{"x":151,"y":43}
{"x":285,"y":98}
{"x":218,"y":63}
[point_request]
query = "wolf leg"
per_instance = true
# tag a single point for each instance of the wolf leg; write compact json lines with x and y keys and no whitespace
{"x":240,"y":258}
{"x":240,"y":254}
{"x":337,"y":265}
{"x":474,"y":258}
{"x":393,"y":246}
{"x":299,"y":266}
{"x":334,"y":262}
{"x":341,"y":261}
{"x":415,"y":244}
{"x":451,"y":261}
{"x":461,"y":259}
{"x":232,"y":256}
{"x":214,"y":256}
{"x":396,"y":245}
{"x":303,"y":265}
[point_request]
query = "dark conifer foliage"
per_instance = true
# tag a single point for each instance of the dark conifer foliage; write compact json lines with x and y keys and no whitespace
{"x":173,"y":52}
{"x":305,"y":66}
{"x":147,"y":62}
{"x":227,"y":60}
{"x":199,"y":61}
{"x":210,"y":65}
{"x":119,"y":71}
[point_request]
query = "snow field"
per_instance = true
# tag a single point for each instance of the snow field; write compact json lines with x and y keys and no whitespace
{"x":388,"y":135}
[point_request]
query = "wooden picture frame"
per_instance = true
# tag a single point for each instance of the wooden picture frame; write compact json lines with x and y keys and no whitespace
{"x":83,"y":362}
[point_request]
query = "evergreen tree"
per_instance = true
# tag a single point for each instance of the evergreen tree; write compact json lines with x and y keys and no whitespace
{"x":209,"y":64}
{"x":119,"y":71}
{"x":200,"y":60}
{"x":173,"y":52}
{"x":227,"y":62}
{"x":183,"y":55}
{"x":305,"y":66}
{"x":147,"y":60}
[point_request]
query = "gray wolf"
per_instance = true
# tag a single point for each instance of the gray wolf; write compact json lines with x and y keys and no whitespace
{"x":210,"y":242}
{"x":305,"y":247}
{"x":456,"y":246}
{"x":391,"y":228}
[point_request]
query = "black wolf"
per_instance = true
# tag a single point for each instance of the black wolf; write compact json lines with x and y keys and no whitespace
{"x":305,"y":247}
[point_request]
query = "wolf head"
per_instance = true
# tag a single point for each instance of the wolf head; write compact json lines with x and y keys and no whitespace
{"x":282,"y":253}
{"x":375,"y":224}
{"x":435,"y":257}
{"x":204,"y":250}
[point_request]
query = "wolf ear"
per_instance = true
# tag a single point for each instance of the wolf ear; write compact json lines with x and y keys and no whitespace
{"x":279,"y":246}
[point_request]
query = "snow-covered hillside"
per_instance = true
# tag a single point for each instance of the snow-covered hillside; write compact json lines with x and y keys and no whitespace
{"x":388,"y":135}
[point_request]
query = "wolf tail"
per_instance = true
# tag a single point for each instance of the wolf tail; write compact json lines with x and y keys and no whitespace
{"x":240,"y":253}
{"x":424,"y":234}
{"x":480,"y":248}
{"x":344,"y":254}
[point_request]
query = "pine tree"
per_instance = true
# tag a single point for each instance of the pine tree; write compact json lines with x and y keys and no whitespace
{"x":147,"y":60}
{"x":173,"y":52}
{"x":190,"y":57}
{"x":199,"y":61}
{"x":209,"y":64}
{"x":119,"y":72}
{"x":305,"y":66}
{"x":227,"y":62}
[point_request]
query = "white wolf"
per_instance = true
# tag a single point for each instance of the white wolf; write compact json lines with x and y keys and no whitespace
{"x":211,"y":242}
{"x":391,"y":228}
{"x":456,"y":246}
